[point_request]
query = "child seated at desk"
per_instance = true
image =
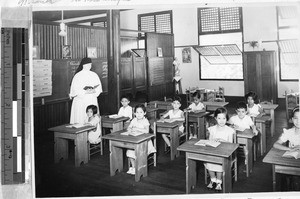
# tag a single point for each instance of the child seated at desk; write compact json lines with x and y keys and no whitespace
{"x":174,"y":114}
{"x":242,"y":122}
{"x":292,"y":136}
{"x":197,"y":106}
{"x":139,"y":124}
{"x":125,"y":110}
{"x":221,"y":133}
{"x":94,"y":136}
{"x":253,"y":109}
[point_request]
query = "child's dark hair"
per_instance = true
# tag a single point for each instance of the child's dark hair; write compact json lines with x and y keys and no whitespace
{"x":296,"y":109}
{"x":93,"y":107}
{"x":253,"y":95}
{"x":142,"y":106}
{"x":241,"y":105}
{"x":177,"y":98}
{"x":197,"y":94}
{"x":221,"y":110}
{"x":126,"y":97}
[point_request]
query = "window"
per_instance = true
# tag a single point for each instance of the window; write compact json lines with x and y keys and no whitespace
{"x":220,"y":43}
{"x":159,"y":22}
{"x":219,"y":20}
{"x":288,"y":43}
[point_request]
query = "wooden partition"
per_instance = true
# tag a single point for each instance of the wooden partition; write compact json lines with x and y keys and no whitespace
{"x":160,"y":69}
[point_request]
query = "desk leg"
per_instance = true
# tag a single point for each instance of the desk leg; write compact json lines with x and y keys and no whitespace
{"x":201,"y":128}
{"x":249,"y":156}
{"x":117,"y":126}
{"x":81,"y":153}
{"x":191,"y":174}
{"x":174,"y":140}
{"x":272,"y":122}
{"x":141,"y":168}
{"x":274,"y":177}
{"x":61,"y":149}
{"x":227,"y":186}
{"x":116,"y":158}
{"x":263,"y":139}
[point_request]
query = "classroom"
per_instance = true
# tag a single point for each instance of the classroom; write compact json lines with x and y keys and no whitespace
{"x":69,"y":72}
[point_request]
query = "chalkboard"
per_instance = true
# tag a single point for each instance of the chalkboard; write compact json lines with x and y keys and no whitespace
{"x":62,"y":75}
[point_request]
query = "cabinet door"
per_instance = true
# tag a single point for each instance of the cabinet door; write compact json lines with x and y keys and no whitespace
{"x":260,"y":74}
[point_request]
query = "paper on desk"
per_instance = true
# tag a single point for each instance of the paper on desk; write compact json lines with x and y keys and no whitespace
{"x":114,"y":116}
{"x":77,"y":125}
{"x":207,"y":143}
{"x":133,"y":133}
{"x":292,"y":154}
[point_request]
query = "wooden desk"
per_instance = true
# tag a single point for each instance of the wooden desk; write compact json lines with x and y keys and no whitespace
{"x":162,"y":105}
{"x":62,"y":134}
{"x":246,"y":138}
{"x":281,"y":164}
{"x":116,"y":124}
{"x":219,"y":155}
{"x":140,"y":146}
{"x":212,"y":106}
{"x":261,"y":125}
{"x":199,"y":120}
{"x":271,"y":108}
{"x":151,"y":113}
{"x":172,"y":130}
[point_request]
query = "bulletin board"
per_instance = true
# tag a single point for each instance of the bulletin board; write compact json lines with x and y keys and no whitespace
{"x":62,"y":75}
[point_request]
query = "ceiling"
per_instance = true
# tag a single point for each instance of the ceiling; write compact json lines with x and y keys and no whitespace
{"x":70,"y":16}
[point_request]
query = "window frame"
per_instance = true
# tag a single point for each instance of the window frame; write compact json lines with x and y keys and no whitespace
{"x":170,"y":12}
{"x":280,"y":56}
{"x":220,"y":32}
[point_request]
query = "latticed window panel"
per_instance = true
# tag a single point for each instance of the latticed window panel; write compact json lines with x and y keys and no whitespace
{"x":209,"y":20}
{"x":163,"y":24}
{"x":230,"y":18}
{"x":218,"y":20}
{"x":160,"y":22}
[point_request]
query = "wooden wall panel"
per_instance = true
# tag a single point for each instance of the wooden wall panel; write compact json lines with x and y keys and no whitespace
{"x":163,"y":41}
{"x":126,"y":74}
{"x":46,"y":37}
{"x":140,"y":77}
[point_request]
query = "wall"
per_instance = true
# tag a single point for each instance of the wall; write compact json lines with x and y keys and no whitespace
{"x":258,"y":26}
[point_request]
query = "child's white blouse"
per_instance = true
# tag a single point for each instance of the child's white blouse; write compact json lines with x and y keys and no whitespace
{"x":244,"y":123}
{"x":254,"y":111}
{"x":125,"y":112}
{"x":226,"y":133}
{"x":291,"y":136}
{"x":200,"y":106}
{"x":177,"y":115}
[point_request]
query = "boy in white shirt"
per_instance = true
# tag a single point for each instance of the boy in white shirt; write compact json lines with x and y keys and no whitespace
{"x":125,"y":110}
{"x":242,"y":122}
{"x":196,"y":107}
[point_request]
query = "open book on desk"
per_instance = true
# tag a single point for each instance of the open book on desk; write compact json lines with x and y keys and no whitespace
{"x":133,"y":133}
{"x":292,"y":154}
{"x":114,"y":116}
{"x":77,"y":125}
{"x":91,"y":87}
{"x":208,"y":143}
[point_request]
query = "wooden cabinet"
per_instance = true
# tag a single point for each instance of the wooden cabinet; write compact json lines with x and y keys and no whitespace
{"x":260,"y":74}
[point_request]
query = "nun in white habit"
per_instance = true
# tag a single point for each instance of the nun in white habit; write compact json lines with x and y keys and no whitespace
{"x":85,"y":88}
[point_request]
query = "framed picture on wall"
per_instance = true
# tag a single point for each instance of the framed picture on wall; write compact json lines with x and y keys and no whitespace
{"x":159,"y":52}
{"x":186,"y":55}
{"x":91,"y":52}
{"x":66,"y":52}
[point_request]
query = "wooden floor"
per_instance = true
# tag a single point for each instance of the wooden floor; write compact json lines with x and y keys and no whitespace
{"x":168,"y":178}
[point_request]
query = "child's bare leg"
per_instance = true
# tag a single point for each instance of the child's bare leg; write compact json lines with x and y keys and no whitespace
{"x":219,"y":181}
{"x":213,"y":179}
{"x":166,"y":139}
{"x":132,"y":161}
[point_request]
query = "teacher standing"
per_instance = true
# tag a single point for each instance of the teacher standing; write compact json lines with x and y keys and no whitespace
{"x":85,"y":88}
